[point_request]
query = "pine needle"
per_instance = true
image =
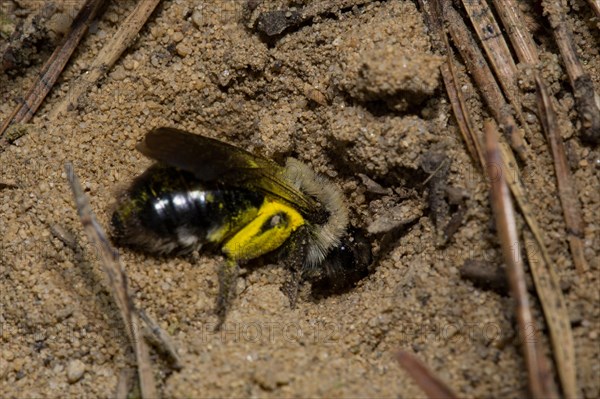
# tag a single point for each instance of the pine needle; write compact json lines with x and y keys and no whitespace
{"x":539,"y":376}
{"x":117,"y":283}
{"x":431,"y":384}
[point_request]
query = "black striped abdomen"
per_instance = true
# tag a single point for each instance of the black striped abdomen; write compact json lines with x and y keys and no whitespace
{"x":168,"y":210}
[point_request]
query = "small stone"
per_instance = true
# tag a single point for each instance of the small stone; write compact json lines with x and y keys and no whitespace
{"x":119,"y":73}
{"x":315,"y":95}
{"x":4,"y":368}
{"x":197,"y":18}
{"x":128,"y":64}
{"x":265,"y":379}
{"x":177,"y":37}
{"x":75,"y":371}
{"x":18,"y":364}
{"x":43,"y":187}
{"x":183,"y":50}
{"x":8,"y":355}
{"x":60,"y":23}
{"x":112,"y":17}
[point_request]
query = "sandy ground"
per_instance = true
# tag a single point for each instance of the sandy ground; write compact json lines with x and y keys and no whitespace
{"x":355,"y":93}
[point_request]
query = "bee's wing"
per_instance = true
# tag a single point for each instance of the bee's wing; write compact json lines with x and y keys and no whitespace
{"x":211,"y":160}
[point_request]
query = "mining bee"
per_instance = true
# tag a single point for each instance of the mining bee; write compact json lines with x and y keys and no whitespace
{"x":205,"y":193}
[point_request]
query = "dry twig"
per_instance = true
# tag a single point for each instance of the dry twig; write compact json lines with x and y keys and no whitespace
{"x":521,"y":39}
{"x":545,"y":277}
{"x":117,"y":283}
{"x":160,"y":339}
{"x":468,"y":131}
{"x":566,"y":190}
{"x":492,"y":40}
{"x":423,"y":377}
{"x":485,"y":80}
{"x":581,"y":81}
{"x":497,"y":51}
{"x":595,"y":5}
{"x":470,"y":135}
{"x":51,"y":69}
{"x":543,"y":270}
{"x":125,"y":383}
{"x":556,"y":314}
{"x":540,"y":379}
{"x":109,"y":54}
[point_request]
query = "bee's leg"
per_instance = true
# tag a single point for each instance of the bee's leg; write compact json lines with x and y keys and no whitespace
{"x":228,"y":273}
{"x":294,"y":261}
{"x":291,"y":286}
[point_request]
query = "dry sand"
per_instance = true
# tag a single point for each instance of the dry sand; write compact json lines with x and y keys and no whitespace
{"x":353,"y":93}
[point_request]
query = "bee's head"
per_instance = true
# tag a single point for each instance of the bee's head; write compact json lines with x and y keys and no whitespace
{"x":346,"y":263}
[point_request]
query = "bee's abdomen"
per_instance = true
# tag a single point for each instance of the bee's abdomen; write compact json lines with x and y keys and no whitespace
{"x":168,"y":210}
{"x":169,"y":213}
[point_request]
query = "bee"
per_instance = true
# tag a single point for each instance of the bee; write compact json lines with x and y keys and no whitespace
{"x":203,"y":193}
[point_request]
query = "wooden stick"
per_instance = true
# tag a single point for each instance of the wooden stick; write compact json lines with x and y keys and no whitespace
{"x":497,"y":51}
{"x":161,"y":339}
{"x":595,"y":5}
{"x":544,"y":274}
{"x":542,"y":269}
{"x":521,"y":39}
{"x":581,"y":81}
{"x":540,"y":381}
{"x":492,"y":40}
{"x":566,"y":189}
{"x":51,"y":69}
{"x":466,"y":126}
{"x":556,"y":314}
{"x":124,"y":383}
{"x":430,"y":383}
{"x":463,"y":119}
{"x":484,"y":78}
{"x":117,"y":283}
{"x":107,"y":56}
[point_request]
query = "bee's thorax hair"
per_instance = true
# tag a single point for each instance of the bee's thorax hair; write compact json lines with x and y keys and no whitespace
{"x":324,"y":236}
